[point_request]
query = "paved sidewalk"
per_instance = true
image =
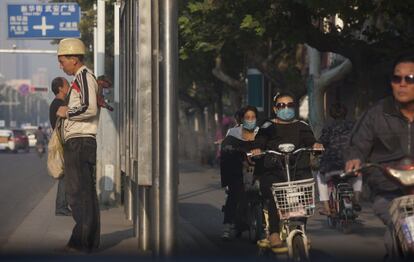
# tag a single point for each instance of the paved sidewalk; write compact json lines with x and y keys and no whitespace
{"x":43,"y":233}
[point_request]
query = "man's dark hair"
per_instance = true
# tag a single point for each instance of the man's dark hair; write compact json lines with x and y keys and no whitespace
{"x":407,"y":57}
{"x":338,"y":111}
{"x":56,"y":83}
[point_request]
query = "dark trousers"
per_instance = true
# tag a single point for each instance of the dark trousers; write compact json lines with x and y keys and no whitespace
{"x":80,"y":182}
{"x":234,"y":195}
{"x":381,"y":205}
{"x":266,"y":182}
{"x":61,"y":199}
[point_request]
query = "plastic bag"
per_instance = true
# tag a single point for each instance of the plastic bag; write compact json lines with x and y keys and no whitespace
{"x":55,"y":162}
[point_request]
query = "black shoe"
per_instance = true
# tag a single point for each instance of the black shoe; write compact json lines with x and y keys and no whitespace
{"x":64,"y":212}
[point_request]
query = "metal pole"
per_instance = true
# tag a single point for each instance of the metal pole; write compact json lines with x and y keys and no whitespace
{"x":144,"y":116}
{"x":155,"y":189}
{"x":126,"y":108}
{"x":95,"y":44}
{"x":168,"y":125}
{"x":117,"y":6}
{"x":143,"y":215}
{"x":10,"y":106}
{"x":38,"y":111}
{"x":101,"y":38}
{"x":129,"y":198}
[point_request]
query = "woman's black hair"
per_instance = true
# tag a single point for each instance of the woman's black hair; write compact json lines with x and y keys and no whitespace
{"x":244,"y":110}
{"x":284,"y":94}
{"x":238,"y":116}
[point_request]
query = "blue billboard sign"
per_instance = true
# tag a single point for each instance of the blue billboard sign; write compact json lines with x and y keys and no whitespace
{"x":37,"y":21}
{"x":255,"y":88}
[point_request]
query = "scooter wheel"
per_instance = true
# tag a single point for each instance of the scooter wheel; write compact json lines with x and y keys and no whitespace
{"x":346,"y":227}
{"x":299,"y":251}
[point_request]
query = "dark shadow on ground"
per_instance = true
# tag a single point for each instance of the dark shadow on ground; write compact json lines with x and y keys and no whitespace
{"x":205,"y":190}
{"x":185,"y":166}
{"x":114,"y":238}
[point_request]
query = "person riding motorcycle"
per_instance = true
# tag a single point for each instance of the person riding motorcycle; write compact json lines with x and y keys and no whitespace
{"x":384,"y":134}
{"x":285,"y":128}
{"x":41,"y":139}
{"x":239,"y":139}
{"x":334,"y":138}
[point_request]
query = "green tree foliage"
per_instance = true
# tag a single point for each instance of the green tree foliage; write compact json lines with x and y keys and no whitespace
{"x":265,"y":34}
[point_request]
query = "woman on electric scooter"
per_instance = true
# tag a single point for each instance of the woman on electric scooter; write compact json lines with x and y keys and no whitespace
{"x":284,"y":128}
{"x":334,"y":138}
{"x":238,"y":141}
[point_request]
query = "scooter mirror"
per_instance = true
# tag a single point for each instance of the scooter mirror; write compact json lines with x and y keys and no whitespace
{"x":286,"y":148}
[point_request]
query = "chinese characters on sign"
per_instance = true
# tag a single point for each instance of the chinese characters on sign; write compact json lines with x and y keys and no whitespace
{"x":53,"y":20}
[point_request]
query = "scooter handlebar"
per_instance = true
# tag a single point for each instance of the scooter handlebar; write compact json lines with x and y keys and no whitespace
{"x":281,"y":153}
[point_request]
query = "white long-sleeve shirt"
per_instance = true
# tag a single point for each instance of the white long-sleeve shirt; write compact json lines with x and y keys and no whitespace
{"x":83,"y":113}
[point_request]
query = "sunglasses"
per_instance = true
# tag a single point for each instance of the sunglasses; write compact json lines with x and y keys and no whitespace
{"x":283,"y":105}
{"x":409,"y":79}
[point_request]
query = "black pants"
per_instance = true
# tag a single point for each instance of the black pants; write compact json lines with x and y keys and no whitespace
{"x":234,"y":196}
{"x":80,"y":182}
{"x":266,"y":182}
{"x":61,"y":198}
{"x":381,"y":205}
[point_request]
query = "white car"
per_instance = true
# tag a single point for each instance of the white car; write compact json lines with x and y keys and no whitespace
{"x":7,"y":140}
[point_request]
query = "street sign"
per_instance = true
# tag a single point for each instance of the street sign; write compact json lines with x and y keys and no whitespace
{"x":52,"y":20}
{"x":24,"y":89}
{"x":40,"y":88}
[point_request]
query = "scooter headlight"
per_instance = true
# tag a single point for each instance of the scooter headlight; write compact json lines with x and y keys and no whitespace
{"x":286,"y":148}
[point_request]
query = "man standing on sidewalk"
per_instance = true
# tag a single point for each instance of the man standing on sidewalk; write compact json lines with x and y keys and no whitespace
{"x":80,"y":128}
{"x":60,"y":87}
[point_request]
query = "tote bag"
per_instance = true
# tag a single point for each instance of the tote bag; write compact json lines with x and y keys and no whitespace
{"x":55,"y":162}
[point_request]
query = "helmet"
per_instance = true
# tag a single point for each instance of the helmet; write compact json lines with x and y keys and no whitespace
{"x":71,"y":46}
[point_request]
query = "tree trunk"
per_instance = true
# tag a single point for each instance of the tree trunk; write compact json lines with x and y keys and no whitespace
{"x":317,"y":86}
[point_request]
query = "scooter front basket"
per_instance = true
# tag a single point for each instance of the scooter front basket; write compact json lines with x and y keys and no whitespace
{"x":402,"y":214}
{"x":295,"y":198}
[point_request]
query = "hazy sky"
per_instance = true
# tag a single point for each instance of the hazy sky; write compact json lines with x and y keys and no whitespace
{"x":22,"y":66}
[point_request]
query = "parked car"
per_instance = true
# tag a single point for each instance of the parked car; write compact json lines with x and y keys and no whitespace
{"x":30,"y":132}
{"x":7,"y":142}
{"x":21,"y":141}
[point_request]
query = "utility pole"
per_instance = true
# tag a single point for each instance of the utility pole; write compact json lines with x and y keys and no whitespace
{"x":107,"y":135}
{"x":10,"y":106}
{"x":168,"y":126}
{"x":95,"y":43}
